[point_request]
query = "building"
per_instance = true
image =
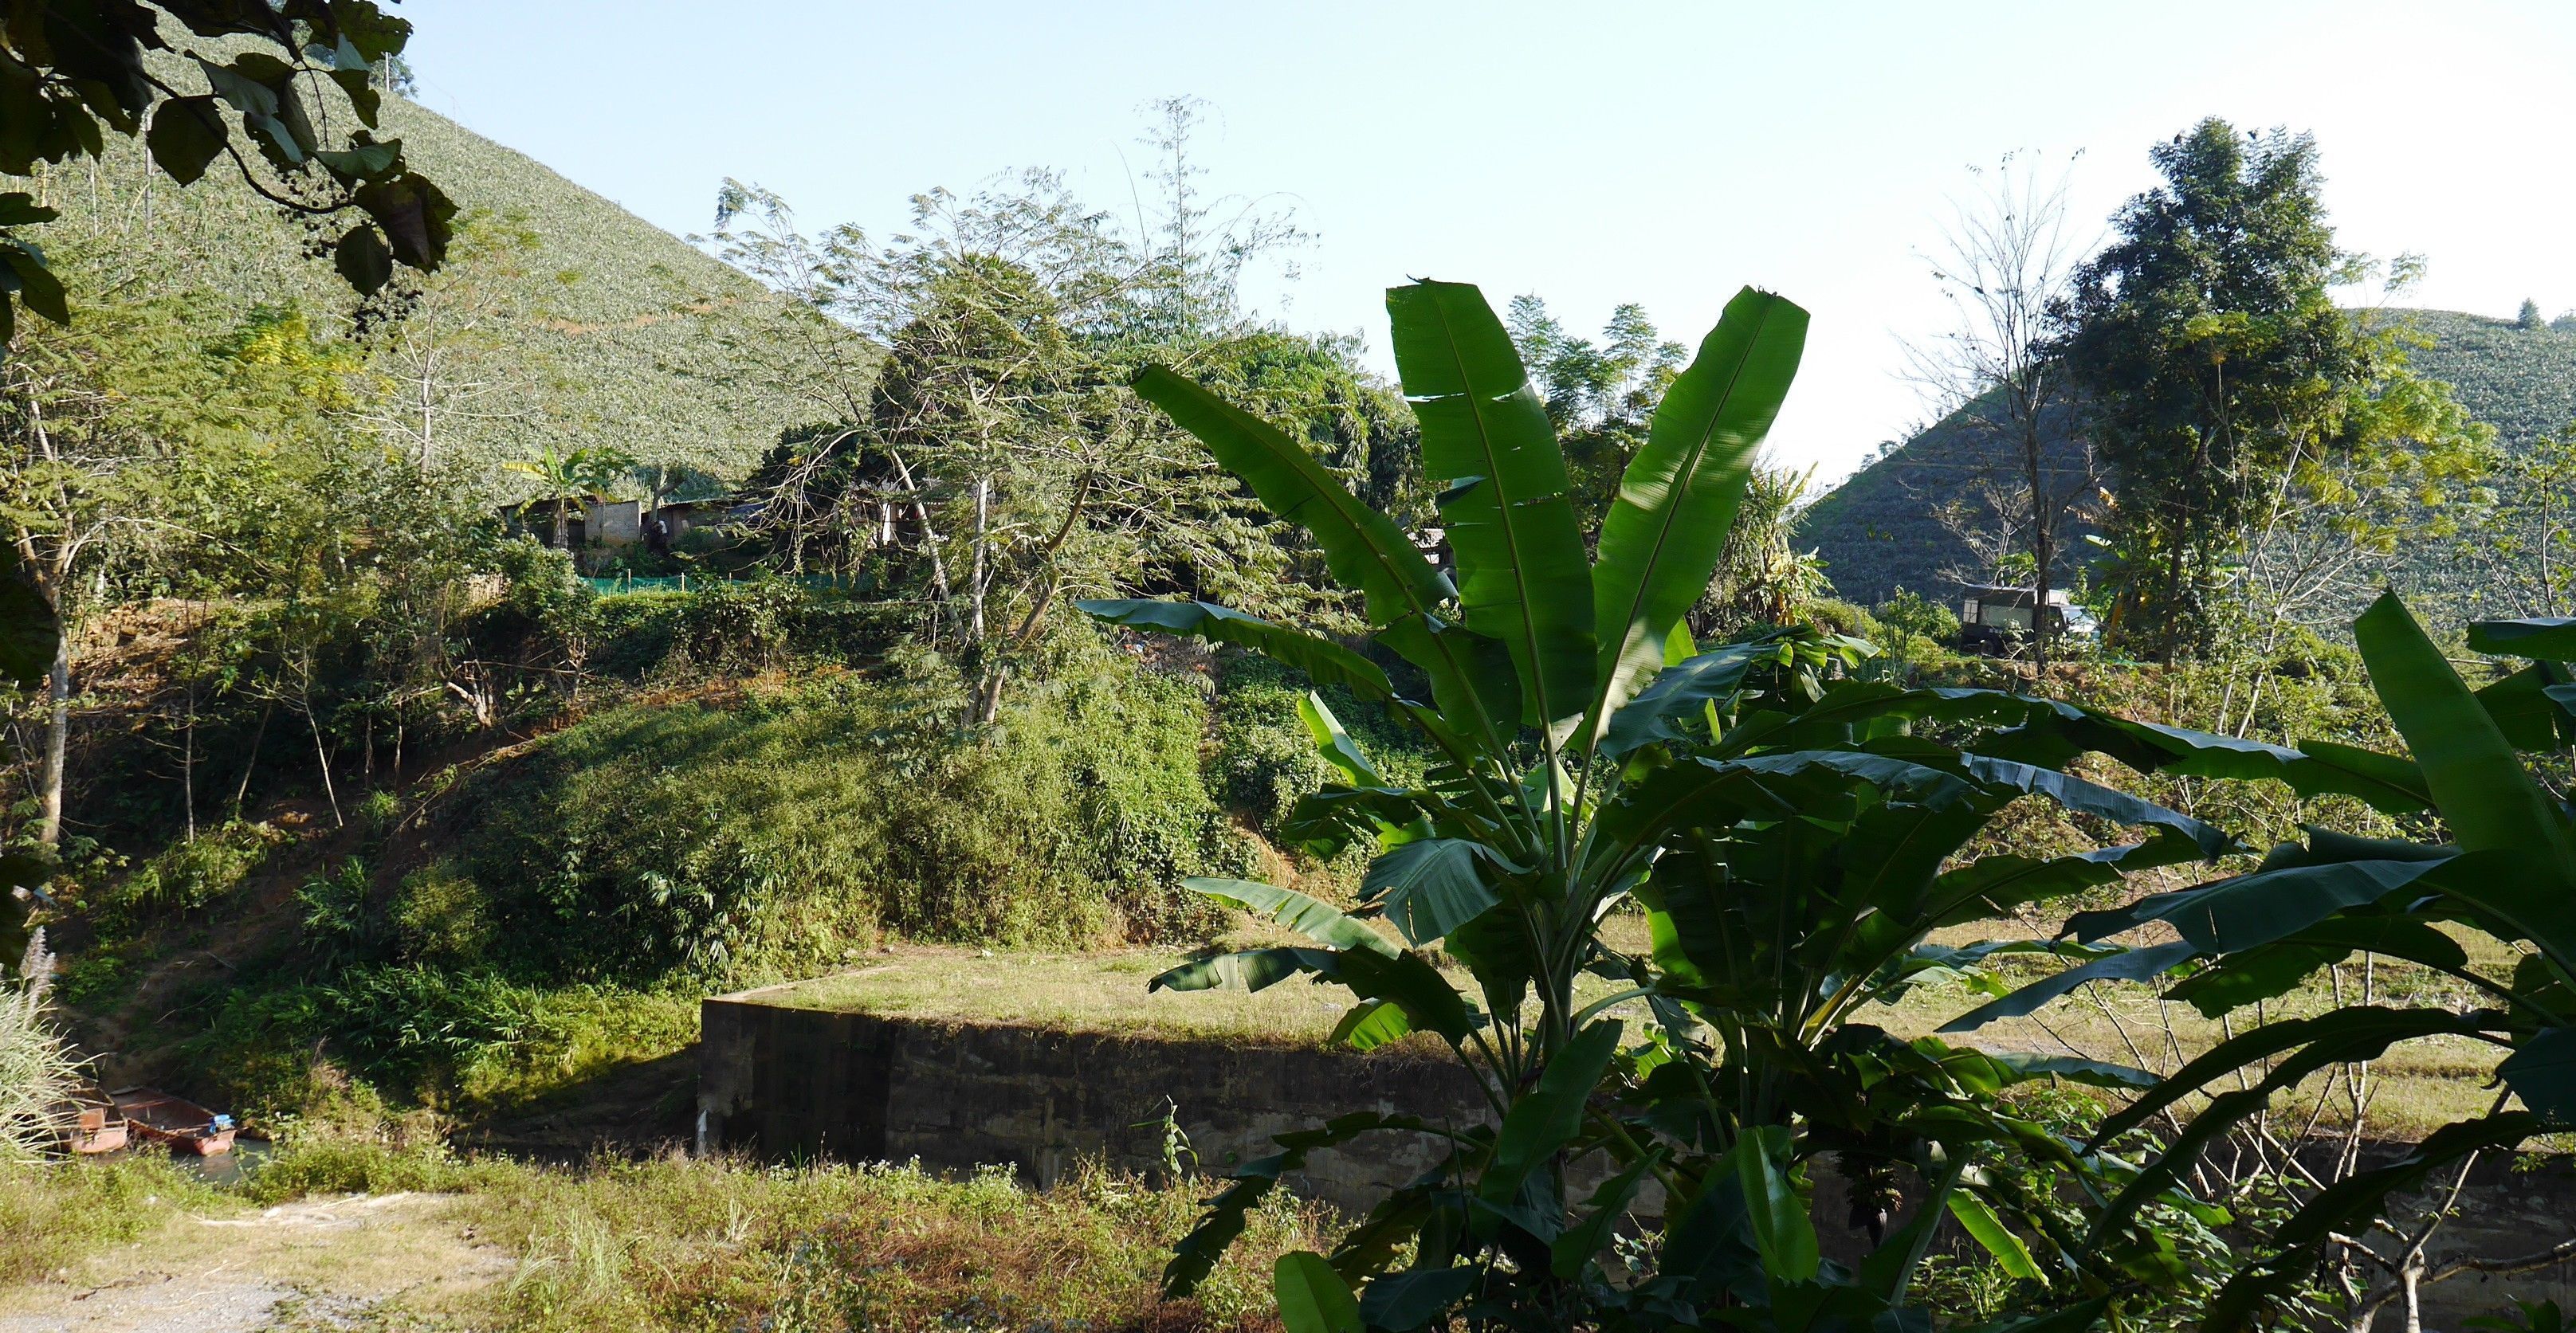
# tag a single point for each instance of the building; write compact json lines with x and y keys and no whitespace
{"x":1993,"y":617}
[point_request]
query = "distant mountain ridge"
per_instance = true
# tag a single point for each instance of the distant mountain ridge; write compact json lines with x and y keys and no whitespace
{"x":1880,"y":528}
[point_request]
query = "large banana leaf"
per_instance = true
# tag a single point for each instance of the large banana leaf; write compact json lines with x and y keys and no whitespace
{"x":2475,"y":776}
{"x":1549,"y":1116}
{"x":2126,"y":965}
{"x":1431,"y":886}
{"x":1523,"y":575}
{"x":1663,"y":535}
{"x":1681,"y":689}
{"x":2250,"y":910}
{"x":2542,"y":1072}
{"x":2552,"y":638}
{"x":1323,"y":661}
{"x":1363,"y":548}
{"x":1312,"y":1298}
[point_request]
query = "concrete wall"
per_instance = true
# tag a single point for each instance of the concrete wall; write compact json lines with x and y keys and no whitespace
{"x":787,"y":1083}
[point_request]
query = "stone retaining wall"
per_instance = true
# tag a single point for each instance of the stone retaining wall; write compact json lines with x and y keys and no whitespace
{"x":797,"y":1083}
{"x":792,"y":1083}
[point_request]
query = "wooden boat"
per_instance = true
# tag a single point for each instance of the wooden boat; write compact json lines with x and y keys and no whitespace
{"x":159,"y":1117}
{"x":95,"y":1126}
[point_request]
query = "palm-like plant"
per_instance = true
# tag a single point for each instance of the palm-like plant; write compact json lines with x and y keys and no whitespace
{"x":563,"y":478}
{"x":1789,"y":840}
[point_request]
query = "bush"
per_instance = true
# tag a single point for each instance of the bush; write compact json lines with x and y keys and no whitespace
{"x":440,"y":916}
{"x":1913,"y":614}
{"x":777,"y":832}
{"x":188,"y":875}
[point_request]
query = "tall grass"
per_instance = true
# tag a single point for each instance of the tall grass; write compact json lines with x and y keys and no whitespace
{"x":37,"y":1071}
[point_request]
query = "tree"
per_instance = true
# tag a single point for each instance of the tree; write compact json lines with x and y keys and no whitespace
{"x":2211,"y":354}
{"x":1601,"y":397}
{"x":2529,"y":318}
{"x":77,"y":69}
{"x":2006,"y":261}
{"x":564,"y":479}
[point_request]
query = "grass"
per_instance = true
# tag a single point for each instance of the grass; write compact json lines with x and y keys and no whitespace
{"x":1094,"y":992}
{"x":660,"y":1244}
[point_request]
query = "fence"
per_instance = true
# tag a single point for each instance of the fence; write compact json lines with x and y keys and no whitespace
{"x":628,"y":583}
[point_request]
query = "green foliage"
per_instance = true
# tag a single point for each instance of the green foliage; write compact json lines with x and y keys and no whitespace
{"x":2506,"y":873}
{"x":79,"y":67}
{"x":774,"y":832}
{"x":192,"y":874}
{"x":1791,"y":834}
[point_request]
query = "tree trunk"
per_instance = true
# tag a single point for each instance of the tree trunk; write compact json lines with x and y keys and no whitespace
{"x":58,"y":729}
{"x":2043,"y":544}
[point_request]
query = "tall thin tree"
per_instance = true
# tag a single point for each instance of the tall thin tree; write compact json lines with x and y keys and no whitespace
{"x":2005,"y":256}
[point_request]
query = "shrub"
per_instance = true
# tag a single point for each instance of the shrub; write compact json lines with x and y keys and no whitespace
{"x":441,"y":916}
{"x":772,"y":833}
{"x":190,"y":874}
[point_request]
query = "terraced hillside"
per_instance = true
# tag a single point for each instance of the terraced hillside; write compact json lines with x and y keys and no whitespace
{"x":565,"y":320}
{"x":1880,"y":529}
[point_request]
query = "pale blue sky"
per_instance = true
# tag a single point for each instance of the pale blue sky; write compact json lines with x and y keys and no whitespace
{"x":1593,"y":153}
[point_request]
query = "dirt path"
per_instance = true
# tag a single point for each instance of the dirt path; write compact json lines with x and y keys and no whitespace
{"x":360,"y":1262}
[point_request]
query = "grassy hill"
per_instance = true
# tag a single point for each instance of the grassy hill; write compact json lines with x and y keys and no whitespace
{"x":563,"y":319}
{"x":1880,"y":530}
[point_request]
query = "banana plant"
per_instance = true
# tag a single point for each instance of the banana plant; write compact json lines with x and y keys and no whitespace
{"x":2508,"y":872}
{"x":1786,"y":836}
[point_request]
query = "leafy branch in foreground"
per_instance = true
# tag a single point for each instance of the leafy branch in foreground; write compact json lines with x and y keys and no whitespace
{"x":73,"y":70}
{"x":1787,"y":833}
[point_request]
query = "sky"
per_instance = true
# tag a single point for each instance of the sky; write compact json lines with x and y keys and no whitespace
{"x":1593,"y":153}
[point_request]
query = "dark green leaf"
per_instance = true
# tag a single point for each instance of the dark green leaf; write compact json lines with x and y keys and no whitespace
{"x":1680,"y":690}
{"x":1432,"y":886}
{"x":2094,"y":799}
{"x":1591,"y":1236}
{"x":1978,"y":1219}
{"x":1315,"y":920}
{"x":362,"y":259}
{"x":2475,"y":776}
{"x":1782,"y":1231}
{"x":1548,"y":1117}
{"x":2542,"y":1072}
{"x":2244,"y":911}
{"x":414,"y":214}
{"x":1523,"y":575}
{"x":187,"y":133}
{"x":1371,"y":1024}
{"x":1402,"y":1302}
{"x":2126,"y":965}
{"x":1677,"y":501}
{"x":1312,"y":1297}
{"x":2549,"y":637}
{"x":1249,"y":970}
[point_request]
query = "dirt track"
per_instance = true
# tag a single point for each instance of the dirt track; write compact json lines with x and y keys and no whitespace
{"x":359,"y":1262}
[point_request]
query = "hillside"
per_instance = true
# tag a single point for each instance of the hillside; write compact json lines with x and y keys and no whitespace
{"x":1879,"y":530}
{"x":561,"y":319}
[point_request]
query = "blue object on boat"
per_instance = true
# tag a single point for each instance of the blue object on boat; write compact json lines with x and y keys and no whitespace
{"x":222,"y":1123}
